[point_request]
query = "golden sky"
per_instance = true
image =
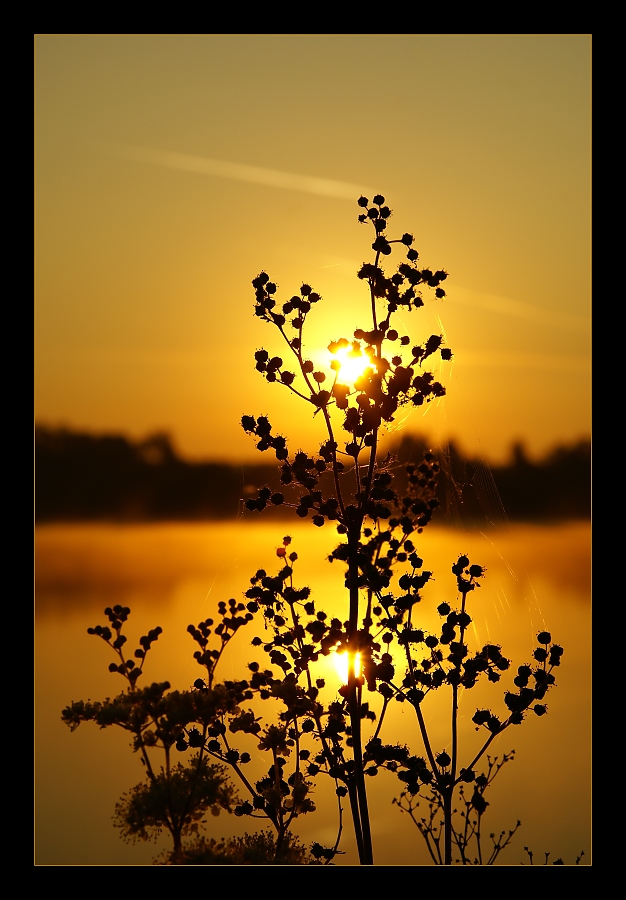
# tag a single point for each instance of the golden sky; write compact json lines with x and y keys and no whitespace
{"x":172,"y":168}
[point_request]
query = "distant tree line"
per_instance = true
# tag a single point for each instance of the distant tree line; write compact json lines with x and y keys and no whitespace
{"x":471,"y":491}
{"x":85,"y":477}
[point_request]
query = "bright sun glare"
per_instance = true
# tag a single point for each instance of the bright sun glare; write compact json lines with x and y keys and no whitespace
{"x":351,"y":362}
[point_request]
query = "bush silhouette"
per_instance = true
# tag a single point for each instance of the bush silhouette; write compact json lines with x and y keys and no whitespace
{"x":391,"y":657}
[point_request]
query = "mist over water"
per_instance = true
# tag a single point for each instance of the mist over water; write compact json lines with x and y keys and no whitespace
{"x":175,"y":574}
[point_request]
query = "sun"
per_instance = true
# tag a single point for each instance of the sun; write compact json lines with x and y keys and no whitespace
{"x":349,"y":361}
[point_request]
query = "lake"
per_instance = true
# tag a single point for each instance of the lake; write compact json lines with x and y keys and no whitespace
{"x":538,"y":577}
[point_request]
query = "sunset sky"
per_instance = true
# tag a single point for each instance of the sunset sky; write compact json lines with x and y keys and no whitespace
{"x":172,"y":168}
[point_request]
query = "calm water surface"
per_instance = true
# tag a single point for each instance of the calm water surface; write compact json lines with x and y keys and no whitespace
{"x":175,"y":574}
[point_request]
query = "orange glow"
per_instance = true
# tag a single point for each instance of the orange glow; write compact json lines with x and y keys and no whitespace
{"x":147,"y":240}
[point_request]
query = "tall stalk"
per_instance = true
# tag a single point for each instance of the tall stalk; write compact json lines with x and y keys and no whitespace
{"x":372,"y":400}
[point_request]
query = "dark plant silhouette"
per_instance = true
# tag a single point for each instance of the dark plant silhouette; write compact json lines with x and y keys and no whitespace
{"x":176,"y":796}
{"x":467,"y":837}
{"x":390,"y":657}
{"x":557,"y":862}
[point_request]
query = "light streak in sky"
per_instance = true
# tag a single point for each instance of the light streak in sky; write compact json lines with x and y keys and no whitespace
{"x":308,"y":184}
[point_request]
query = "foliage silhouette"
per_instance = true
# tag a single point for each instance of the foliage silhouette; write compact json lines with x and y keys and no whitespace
{"x":390,"y":657}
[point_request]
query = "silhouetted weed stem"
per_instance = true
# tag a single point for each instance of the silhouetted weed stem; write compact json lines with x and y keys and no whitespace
{"x":557,"y":862}
{"x":381,"y":388}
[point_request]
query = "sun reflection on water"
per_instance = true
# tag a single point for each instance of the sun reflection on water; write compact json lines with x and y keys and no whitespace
{"x":342,"y":665}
